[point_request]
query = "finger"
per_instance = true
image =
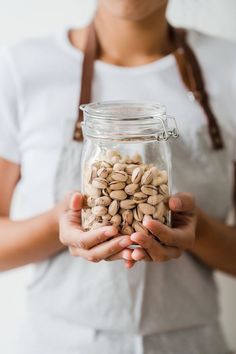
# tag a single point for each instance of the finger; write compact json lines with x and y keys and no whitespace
{"x":76,"y":201}
{"x":129,"y":264}
{"x":105,"y":249}
{"x":155,"y":250}
{"x":175,"y":237}
{"x":125,"y":254}
{"x":139,"y":254}
{"x":91,"y":238}
{"x":182,"y":202}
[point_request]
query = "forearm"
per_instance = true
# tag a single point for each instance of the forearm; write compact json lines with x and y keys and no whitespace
{"x":32,"y":240}
{"x":215,"y":244}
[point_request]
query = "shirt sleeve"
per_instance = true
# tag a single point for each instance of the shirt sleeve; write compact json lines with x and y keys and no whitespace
{"x":9,"y":110}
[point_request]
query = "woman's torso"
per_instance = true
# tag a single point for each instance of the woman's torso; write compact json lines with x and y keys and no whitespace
{"x":158,"y":297}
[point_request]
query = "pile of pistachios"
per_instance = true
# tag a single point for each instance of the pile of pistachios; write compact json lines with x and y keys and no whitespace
{"x":123,"y":192}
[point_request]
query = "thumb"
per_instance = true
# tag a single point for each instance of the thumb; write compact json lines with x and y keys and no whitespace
{"x":182,"y":202}
{"x":76,"y":201}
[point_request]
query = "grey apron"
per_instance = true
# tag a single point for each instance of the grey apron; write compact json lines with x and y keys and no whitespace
{"x":151,"y":300}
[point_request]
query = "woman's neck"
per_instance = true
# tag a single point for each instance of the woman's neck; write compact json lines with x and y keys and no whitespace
{"x":130,"y":43}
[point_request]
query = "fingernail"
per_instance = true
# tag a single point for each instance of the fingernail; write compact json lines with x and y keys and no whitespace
{"x":177,"y":203}
{"x":124,"y":243}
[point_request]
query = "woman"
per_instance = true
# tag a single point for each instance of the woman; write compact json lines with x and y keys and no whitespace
{"x":75,"y":304}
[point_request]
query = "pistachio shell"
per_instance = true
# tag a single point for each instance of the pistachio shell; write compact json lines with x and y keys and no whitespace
{"x":99,"y":210}
{"x":149,"y":189}
{"x":116,"y":220}
{"x":106,"y":217}
{"x":130,"y":189}
{"x":102,"y":172}
{"x":103,"y":201}
{"x":92,"y":191}
{"x":138,"y":215}
{"x":127,"y":204}
{"x":139,"y":227}
{"x":127,"y":230}
{"x":127,"y":216}
{"x":113,"y":208}
{"x":137,"y":158}
{"x":119,"y":195}
{"x":100,"y":183}
{"x":116,"y":185}
{"x":160,"y":211}
{"x":146,"y":208}
{"x":130,"y":168}
{"x":91,"y":202}
{"x":147,"y":177}
{"x":164,"y":190}
{"x":119,"y":167}
{"x":137,"y":175}
{"x":120,"y":176}
{"x":155,"y":199}
{"x":140,"y":197}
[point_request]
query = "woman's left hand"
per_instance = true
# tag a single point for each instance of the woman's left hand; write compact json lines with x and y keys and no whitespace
{"x":166,"y":243}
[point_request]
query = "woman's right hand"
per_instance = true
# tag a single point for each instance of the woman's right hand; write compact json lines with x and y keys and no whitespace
{"x":94,"y":245}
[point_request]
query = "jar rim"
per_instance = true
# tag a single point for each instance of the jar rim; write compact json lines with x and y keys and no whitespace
{"x":116,"y":110}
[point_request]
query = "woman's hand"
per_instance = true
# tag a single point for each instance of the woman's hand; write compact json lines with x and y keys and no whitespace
{"x":166,"y":243}
{"x":94,"y":245}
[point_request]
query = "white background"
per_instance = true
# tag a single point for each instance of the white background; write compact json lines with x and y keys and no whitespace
{"x":24,"y":18}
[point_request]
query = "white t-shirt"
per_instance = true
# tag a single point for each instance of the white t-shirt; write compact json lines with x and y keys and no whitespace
{"x":39,"y":90}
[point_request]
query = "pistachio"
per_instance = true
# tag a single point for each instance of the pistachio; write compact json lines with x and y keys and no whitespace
{"x":147,"y":177}
{"x":92,"y":173}
{"x":139,"y":227}
{"x":116,"y":220}
{"x":102,"y":172}
{"x":113,"y":208}
{"x":127,"y":216}
{"x":127,"y":230}
{"x":163,"y":175}
{"x":100,"y":183}
{"x":138,"y":215}
{"x":149,"y":189}
{"x":90,"y":202}
{"x":116,"y":185}
{"x":130,"y":168}
{"x":103,"y":201}
{"x":164,"y":190}
{"x":155,"y":199}
{"x":111,"y":153}
{"x":130,"y":189}
{"x":155,"y":171}
{"x":140,"y":197}
{"x":92,"y":191}
{"x":137,"y":158}
{"x":105,"y":164}
{"x":127,"y":204}
{"x":119,"y":167}
{"x":119,"y":195}
{"x":99,"y":210}
{"x":137,"y":175}
{"x":159,"y":211}
{"x":106,"y":217}
{"x":146,"y":208}
{"x":120,"y":176}
{"x":129,"y":180}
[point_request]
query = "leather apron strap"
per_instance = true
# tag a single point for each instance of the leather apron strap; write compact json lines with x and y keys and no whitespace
{"x":90,"y":54}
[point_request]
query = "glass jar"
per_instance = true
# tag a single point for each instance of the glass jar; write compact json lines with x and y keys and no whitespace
{"x":126,"y":164}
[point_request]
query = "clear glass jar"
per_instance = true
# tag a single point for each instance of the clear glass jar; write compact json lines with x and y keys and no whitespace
{"x":126,"y":164}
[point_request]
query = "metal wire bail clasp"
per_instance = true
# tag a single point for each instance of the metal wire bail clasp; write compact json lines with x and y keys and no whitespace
{"x":173,"y":131}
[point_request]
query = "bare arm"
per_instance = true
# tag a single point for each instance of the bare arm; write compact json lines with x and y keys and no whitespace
{"x":23,"y":242}
{"x":215,"y":244}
